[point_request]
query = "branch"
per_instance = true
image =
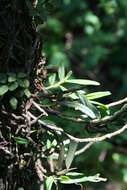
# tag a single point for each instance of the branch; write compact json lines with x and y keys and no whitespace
{"x":98,"y":139}
{"x":51,"y":127}
{"x":82,"y":150}
{"x":117,"y":103}
{"x":96,"y":122}
{"x":39,"y":108}
{"x":109,"y":119}
{"x":95,"y":139}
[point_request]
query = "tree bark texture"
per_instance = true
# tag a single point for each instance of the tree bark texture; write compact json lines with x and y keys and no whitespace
{"x":19,"y":52}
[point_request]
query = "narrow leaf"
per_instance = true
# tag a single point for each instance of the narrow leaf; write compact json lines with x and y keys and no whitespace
{"x":49,"y":182}
{"x":82,"y":82}
{"x":74,"y":174}
{"x":61,"y":72}
{"x":71,"y":153}
{"x":80,"y":107}
{"x":68,"y":75}
{"x":96,"y":95}
{"x":61,"y":157}
{"x":76,"y":180}
{"x":20,"y":140}
{"x":52,"y":79}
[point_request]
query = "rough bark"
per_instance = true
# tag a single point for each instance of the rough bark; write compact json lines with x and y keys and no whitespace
{"x":19,"y":52}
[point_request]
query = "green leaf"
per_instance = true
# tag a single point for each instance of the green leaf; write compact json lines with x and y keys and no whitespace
{"x":27,"y":93}
{"x":48,"y":144}
{"x":61,"y":157}
{"x":74,"y":174}
{"x":64,"y":178}
{"x":71,"y":153}
{"x":82,"y":82}
{"x":96,"y":95}
{"x":13,"y":103}
{"x":80,"y":107}
{"x":3,"y":89}
{"x":87,"y":103}
{"x":12,"y":77}
{"x":76,"y":180}
{"x":3,"y":78}
{"x":63,"y":88}
{"x":24,"y":83}
{"x":52,"y":79}
{"x":86,"y":110}
{"x":101,"y":106}
{"x":12,"y":86}
{"x":54,"y":143}
{"x":49,"y":122}
{"x":49,"y":182}
{"x":68,"y":75}
{"x":20,"y":140}
{"x":61,"y":72}
{"x":21,"y":75}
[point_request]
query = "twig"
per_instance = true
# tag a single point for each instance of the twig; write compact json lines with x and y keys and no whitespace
{"x":109,"y":119}
{"x":98,"y":139}
{"x":39,"y":108}
{"x":17,"y":117}
{"x":96,"y":122}
{"x":117,"y":103}
{"x":51,"y":127}
{"x":82,"y":150}
{"x":6,"y":152}
{"x":58,"y":113}
{"x":40,"y":172}
{"x":35,"y":120}
{"x":95,"y":139}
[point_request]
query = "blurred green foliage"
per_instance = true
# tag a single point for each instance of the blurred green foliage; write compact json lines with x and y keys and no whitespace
{"x":89,"y":37}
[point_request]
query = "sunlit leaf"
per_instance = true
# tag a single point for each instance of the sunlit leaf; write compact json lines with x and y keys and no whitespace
{"x":61,"y":72}
{"x":12,"y":86}
{"x":13,"y":103}
{"x":52,"y":79}
{"x":82,"y":82}
{"x":12,"y":77}
{"x":49,"y":182}
{"x":20,"y":188}
{"x":27,"y":93}
{"x":76,"y":180}
{"x":80,"y":107}
{"x":91,"y":106}
{"x":68,"y":75}
{"x":3,"y":89}
{"x":48,"y":144}
{"x":96,"y":95}
{"x":24,"y":83}
{"x":74,"y":174}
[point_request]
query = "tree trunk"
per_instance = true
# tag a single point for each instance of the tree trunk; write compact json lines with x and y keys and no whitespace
{"x":19,"y":52}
